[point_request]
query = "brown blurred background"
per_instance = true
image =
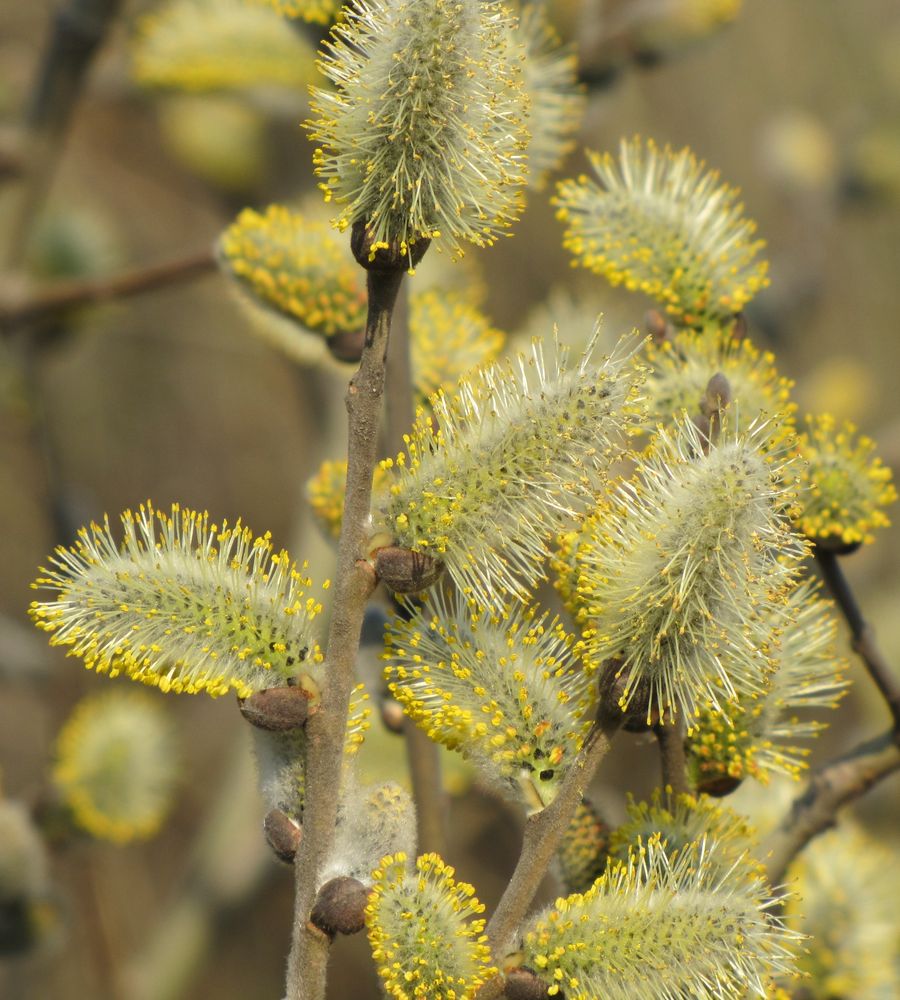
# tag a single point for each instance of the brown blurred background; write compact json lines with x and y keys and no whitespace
{"x":169,"y":396}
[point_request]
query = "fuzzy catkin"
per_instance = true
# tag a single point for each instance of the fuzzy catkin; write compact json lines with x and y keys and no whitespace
{"x":424,"y":941}
{"x":531,"y":444}
{"x":183,"y":604}
{"x":503,"y":686}
{"x":423,"y":135}
{"x":663,"y":930}
{"x":658,"y":223}
{"x":673,"y":572}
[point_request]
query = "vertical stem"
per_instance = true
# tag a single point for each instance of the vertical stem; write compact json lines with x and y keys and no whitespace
{"x":422,"y":754}
{"x":354,"y":581}
{"x":671,"y":757}
{"x":863,"y":635}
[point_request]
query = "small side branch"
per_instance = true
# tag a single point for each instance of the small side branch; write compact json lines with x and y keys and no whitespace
{"x":863,"y":635}
{"x":71,"y":294}
{"x":354,"y":581}
{"x":543,"y":833}
{"x":78,"y":31}
{"x":836,"y":784}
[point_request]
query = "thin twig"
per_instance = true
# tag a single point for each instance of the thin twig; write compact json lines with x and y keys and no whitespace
{"x":836,"y":784}
{"x":543,"y":832}
{"x":70,"y":294}
{"x":863,"y":635}
{"x":77,"y":32}
{"x":670,"y":737}
{"x":354,"y":581}
{"x":422,"y":754}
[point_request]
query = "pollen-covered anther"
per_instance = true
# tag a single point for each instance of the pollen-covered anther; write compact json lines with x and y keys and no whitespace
{"x":277,"y":709}
{"x":340,"y":906}
{"x":283,"y":834}
{"x":405,"y":571}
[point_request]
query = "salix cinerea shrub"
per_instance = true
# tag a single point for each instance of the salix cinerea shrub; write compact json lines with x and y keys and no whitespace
{"x":682,"y":574}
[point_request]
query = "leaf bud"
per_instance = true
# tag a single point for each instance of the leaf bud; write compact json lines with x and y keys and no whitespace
{"x":278,"y":709}
{"x":340,"y":906}
{"x":405,"y":571}
{"x":282,"y":834}
{"x":523,"y":984}
{"x":347,"y":345}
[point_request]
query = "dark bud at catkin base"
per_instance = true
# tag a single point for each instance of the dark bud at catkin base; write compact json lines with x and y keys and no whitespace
{"x":277,"y":710}
{"x":391,"y":258}
{"x":523,"y":984}
{"x":634,"y":718}
{"x":392,"y":715}
{"x":657,"y":325}
{"x":347,"y":345}
{"x":739,"y":326}
{"x":282,"y":834}
{"x":404,"y":571}
{"x":717,"y":396}
{"x":836,"y":545}
{"x":340,"y":906}
{"x":717,"y":786}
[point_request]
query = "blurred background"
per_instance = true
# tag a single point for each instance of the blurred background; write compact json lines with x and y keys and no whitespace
{"x":169,"y":395}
